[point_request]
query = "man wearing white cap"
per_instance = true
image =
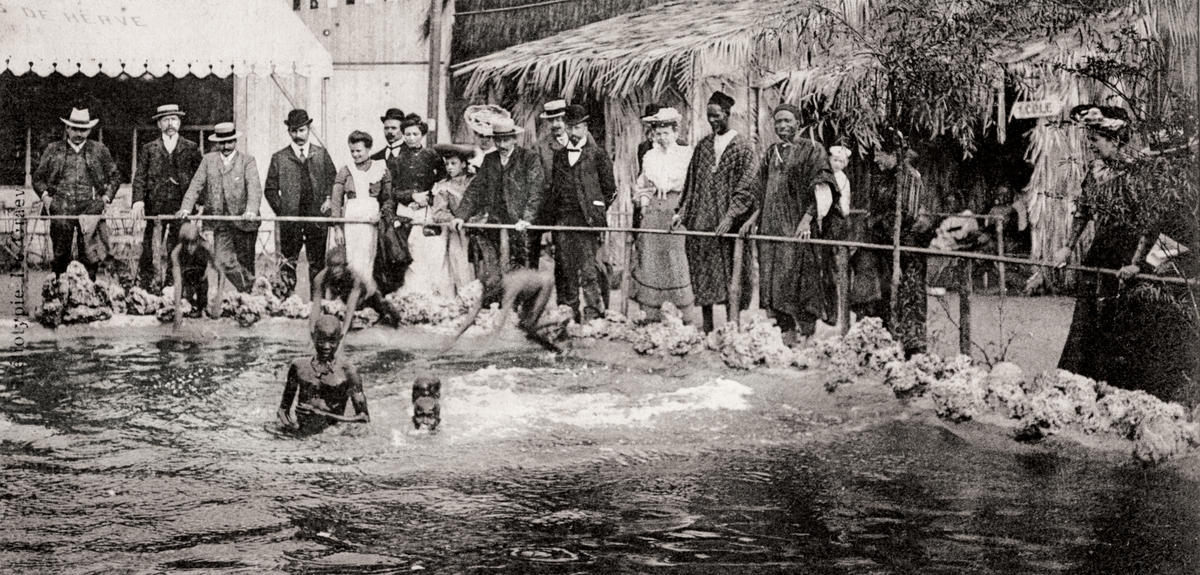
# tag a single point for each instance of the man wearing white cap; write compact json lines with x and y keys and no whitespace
{"x":552,"y":140}
{"x":77,"y":176}
{"x":228,"y":180}
{"x":164,"y":169}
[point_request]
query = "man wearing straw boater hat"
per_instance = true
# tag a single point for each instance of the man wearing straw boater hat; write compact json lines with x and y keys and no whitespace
{"x":77,"y":177}
{"x":228,"y":180}
{"x":552,"y":140}
{"x":164,"y":169}
{"x":299,"y":183}
{"x":581,"y":190}
{"x":508,"y":188}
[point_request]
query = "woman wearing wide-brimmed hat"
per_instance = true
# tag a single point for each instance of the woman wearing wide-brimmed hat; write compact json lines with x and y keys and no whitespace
{"x":447,"y":195}
{"x":1116,"y":336}
{"x":660,"y":269}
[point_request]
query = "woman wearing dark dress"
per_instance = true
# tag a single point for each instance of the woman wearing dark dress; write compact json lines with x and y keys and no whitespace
{"x":1100,"y":342}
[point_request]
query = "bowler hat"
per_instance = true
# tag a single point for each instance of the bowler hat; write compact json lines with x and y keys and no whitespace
{"x":502,"y":127}
{"x":576,"y":114}
{"x":297,"y":119}
{"x":392,"y":114}
{"x":80,"y":119}
{"x":168,"y":110}
{"x":223,"y":132}
{"x":553,"y":109}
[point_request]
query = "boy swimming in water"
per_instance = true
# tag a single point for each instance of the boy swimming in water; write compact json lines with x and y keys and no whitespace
{"x":338,"y":281}
{"x":525,"y":291}
{"x":319,"y":387}
{"x":189,"y":264}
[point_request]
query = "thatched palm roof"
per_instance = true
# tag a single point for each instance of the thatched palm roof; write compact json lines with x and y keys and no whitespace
{"x":656,"y":47}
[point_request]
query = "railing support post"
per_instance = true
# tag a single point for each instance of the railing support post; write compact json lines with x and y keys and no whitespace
{"x":964,"y":308}
{"x":843,"y":289}
{"x":733,"y":306}
{"x":504,"y":250}
{"x":1000,"y":250}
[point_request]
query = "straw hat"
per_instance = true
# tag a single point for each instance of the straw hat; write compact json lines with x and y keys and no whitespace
{"x":664,"y":116}
{"x":80,"y":119}
{"x":553,"y":109}
{"x":168,"y":110}
{"x":505,"y":127}
{"x":480,"y":117}
{"x":223,"y":132}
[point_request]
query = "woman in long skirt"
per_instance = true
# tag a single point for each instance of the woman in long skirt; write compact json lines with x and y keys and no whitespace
{"x":363,"y":191}
{"x":660,"y":271}
{"x":447,"y":194}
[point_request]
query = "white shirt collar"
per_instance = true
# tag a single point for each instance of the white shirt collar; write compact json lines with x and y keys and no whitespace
{"x":298,"y":149}
{"x":79,"y":148}
{"x":562,"y":139}
{"x":228,"y":159}
{"x":169,"y":142}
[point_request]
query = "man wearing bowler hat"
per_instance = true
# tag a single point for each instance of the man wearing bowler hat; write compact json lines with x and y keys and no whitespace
{"x":508,"y":187}
{"x":164,"y":169}
{"x":228,"y":180}
{"x":77,"y":176}
{"x":393,"y":135}
{"x":299,"y":183}
{"x":581,"y":190}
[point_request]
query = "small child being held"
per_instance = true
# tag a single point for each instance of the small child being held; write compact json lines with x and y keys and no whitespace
{"x":319,"y":387}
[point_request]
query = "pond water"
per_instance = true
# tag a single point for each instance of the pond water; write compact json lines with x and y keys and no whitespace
{"x":155,"y":456}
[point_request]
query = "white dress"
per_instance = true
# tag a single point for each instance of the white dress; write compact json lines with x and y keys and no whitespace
{"x":361,"y":239}
{"x":427,"y":272}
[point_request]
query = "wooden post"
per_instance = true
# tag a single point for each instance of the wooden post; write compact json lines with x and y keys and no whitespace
{"x":843,"y":289}
{"x":733,"y":306}
{"x":964,"y":307}
{"x":133,"y":162}
{"x":627,"y":274}
{"x":504,"y":249}
{"x":1000,"y":250}
{"x":28,"y":157}
{"x":894,"y":300}
{"x":435,"y":67}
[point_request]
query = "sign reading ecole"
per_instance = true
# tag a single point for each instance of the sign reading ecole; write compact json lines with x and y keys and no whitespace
{"x":1036,"y":109}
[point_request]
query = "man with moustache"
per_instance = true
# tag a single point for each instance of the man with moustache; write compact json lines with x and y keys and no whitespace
{"x":554,"y":113}
{"x":228,"y":180}
{"x":581,"y":190}
{"x":508,"y":188}
{"x":165,"y":168}
{"x":77,"y":176}
{"x":394,"y":254}
{"x":299,"y":183}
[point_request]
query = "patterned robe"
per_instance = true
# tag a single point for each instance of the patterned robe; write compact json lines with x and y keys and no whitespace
{"x":706,"y":198}
{"x":796,"y":279}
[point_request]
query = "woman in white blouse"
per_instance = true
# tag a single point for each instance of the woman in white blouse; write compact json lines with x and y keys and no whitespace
{"x":660,"y":269}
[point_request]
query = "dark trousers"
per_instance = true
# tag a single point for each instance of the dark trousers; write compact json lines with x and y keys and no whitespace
{"x":233,"y":253}
{"x":195,"y":288}
{"x":575,"y":268}
{"x":92,"y":249}
{"x":293,"y":236}
{"x":485,"y":256}
{"x":909,"y":328}
{"x":147,"y":267}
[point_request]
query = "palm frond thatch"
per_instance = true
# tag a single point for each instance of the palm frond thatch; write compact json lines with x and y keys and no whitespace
{"x":623,"y":54}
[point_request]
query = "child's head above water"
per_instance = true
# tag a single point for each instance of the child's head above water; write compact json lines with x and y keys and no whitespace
{"x":326,"y":336}
{"x":839,"y":158}
{"x":189,"y":236}
{"x":335,"y":261}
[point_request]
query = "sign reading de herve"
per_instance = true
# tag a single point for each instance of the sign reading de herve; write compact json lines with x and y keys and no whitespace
{"x":1036,"y":109}
{"x":81,"y":16}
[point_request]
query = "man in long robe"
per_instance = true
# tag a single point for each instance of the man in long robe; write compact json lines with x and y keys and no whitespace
{"x":715,"y":173}
{"x":796,"y":281}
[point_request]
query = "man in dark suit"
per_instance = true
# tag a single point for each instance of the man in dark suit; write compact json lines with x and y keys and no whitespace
{"x":227,"y":181}
{"x":389,"y":272}
{"x":552,"y":140}
{"x":392,"y":134}
{"x":77,"y":176}
{"x":299,"y":182}
{"x":581,"y":190}
{"x":164,"y":169}
{"x":508,"y":188}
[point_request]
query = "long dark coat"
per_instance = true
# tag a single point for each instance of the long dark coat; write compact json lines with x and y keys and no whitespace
{"x":162,"y":178}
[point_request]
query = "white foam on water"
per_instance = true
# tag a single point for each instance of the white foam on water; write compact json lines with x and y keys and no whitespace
{"x":499,"y":403}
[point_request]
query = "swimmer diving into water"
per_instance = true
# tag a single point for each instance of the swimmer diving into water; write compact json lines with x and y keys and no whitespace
{"x":319,"y":387}
{"x":528,"y":290}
